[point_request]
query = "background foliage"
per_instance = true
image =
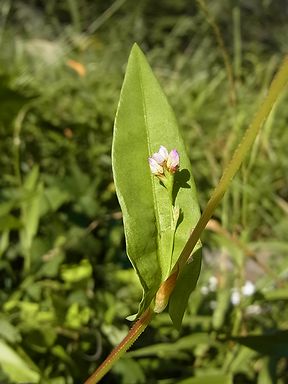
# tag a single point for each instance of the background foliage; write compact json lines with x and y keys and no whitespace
{"x":66,"y":283}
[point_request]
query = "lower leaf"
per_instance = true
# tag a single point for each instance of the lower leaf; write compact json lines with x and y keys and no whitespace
{"x":185,"y":285}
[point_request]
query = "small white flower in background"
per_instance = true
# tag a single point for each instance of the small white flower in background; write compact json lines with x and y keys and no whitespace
{"x":248,"y":288}
{"x":213,"y":283}
{"x":235,"y":297}
{"x":211,"y":286}
{"x":204,"y":290}
{"x":213,"y":304}
{"x":162,"y":161}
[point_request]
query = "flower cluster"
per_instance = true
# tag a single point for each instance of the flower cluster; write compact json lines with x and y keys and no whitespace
{"x":162,"y":161}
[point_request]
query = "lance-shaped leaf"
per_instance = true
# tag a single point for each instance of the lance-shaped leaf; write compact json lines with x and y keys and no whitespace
{"x":186,"y":284}
{"x":144,"y":122}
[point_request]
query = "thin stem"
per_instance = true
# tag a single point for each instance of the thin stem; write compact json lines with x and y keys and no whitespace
{"x":232,"y":92}
{"x":18,"y":123}
{"x":125,"y":344}
{"x":105,"y":16}
{"x":75,"y":15}
{"x":278,"y":84}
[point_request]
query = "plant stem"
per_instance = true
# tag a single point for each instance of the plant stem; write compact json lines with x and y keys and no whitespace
{"x":276,"y":87}
{"x":279,"y":82}
{"x":125,"y":344}
{"x":75,"y":15}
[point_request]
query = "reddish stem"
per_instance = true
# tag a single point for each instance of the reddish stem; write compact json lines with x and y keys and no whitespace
{"x":125,"y":344}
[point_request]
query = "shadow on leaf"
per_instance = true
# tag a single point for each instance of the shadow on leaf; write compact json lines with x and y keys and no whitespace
{"x":180,"y":181}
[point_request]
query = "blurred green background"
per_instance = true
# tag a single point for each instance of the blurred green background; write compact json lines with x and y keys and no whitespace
{"x":66,"y":283}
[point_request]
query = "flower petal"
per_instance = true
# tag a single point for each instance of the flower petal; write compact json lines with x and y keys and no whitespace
{"x":155,"y":168}
{"x":157,"y":157}
{"x":173,"y":161}
{"x":163,"y":152}
{"x":161,"y":156}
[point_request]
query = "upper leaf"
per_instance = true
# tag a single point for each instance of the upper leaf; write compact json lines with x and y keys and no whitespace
{"x":144,"y":121}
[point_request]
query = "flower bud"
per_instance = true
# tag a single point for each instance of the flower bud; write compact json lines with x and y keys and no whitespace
{"x":155,"y":167}
{"x":161,"y":156}
{"x":173,"y":161}
{"x":162,"y":161}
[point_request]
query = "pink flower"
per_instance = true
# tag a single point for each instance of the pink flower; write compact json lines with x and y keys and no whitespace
{"x":162,"y":161}
{"x":155,"y":167}
{"x":173,"y":161}
{"x":161,"y":156}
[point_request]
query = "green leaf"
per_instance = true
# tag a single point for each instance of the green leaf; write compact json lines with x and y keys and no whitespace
{"x":11,"y":102}
{"x":6,"y":207}
{"x":60,"y":353}
{"x":186,"y":284}
{"x":15,"y":367}
{"x":130,"y":371}
{"x":275,"y":343}
{"x":8,"y":331}
{"x":144,"y":121}
{"x":9,"y":222}
{"x":4,"y":240}
{"x":30,"y":209}
{"x":53,"y":198}
{"x":76,"y":272}
{"x":173,"y":350}
{"x":242,"y":361}
{"x":276,"y":294}
{"x":220,"y":312}
{"x":217,"y":378}
{"x":41,"y":339}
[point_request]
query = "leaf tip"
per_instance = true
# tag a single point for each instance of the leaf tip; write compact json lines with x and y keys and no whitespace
{"x":136,"y":50}
{"x":135,"y":47}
